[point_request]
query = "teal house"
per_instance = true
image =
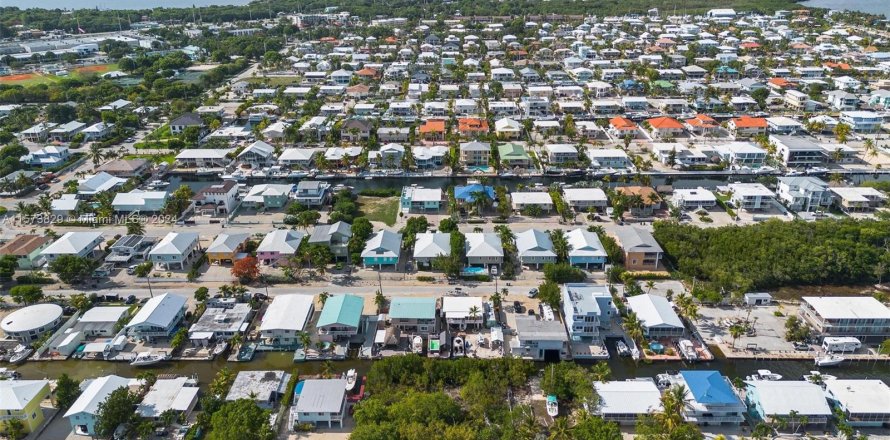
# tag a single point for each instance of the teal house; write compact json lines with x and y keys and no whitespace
{"x":382,"y":249}
{"x":414,"y":315}
{"x":341,"y":316}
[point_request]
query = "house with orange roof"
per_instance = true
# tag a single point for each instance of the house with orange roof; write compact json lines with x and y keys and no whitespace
{"x":391,"y":40}
{"x":367,"y":73}
{"x":472,"y":127}
{"x":432,"y":130}
{"x":750,"y":46}
{"x":623,"y":127}
{"x":780,"y":84}
{"x":746,"y":127}
{"x":358,"y":91}
{"x":799,"y":48}
{"x":702,"y":125}
{"x":664,"y":127}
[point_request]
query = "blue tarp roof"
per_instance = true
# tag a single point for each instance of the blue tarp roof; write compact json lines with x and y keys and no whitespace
{"x":709,"y":387}
{"x":465,"y":193}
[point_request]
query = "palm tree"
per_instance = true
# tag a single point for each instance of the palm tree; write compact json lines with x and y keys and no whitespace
{"x":560,"y":429}
{"x":135,"y":228}
{"x":379,"y":301}
{"x":474,"y":313}
{"x":323,"y":297}
{"x":327,"y":369}
{"x":601,"y":372}
{"x":142,"y":271}
{"x":560,"y":244}
{"x":95,"y":154}
{"x":634,"y":327}
{"x":649,"y":285}
{"x":673,"y":402}
{"x":736,"y":331}
{"x":496,"y":300}
{"x":305,"y":340}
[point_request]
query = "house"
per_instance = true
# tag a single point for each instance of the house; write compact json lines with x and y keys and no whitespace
{"x":862,"y":121}
{"x":227,"y":248}
{"x":355,"y":130}
{"x":178,"y":395}
{"x":101,"y":320}
{"x":65,"y":206}
{"x":484,"y":249}
{"x":508,"y":129}
{"x":623,"y":128}
{"x":185,"y":121}
{"x":415,"y":198}
{"x":797,"y":151}
{"x":863,"y":402}
{"x":432,"y":130}
{"x":799,"y":403}
{"x":47,"y":157}
{"x":472,"y":127}
{"x":475,"y":154}
{"x":130,"y":248}
{"x":623,"y":402}
{"x":559,"y":154}
{"x":321,"y":401}
{"x":20,"y":400}
{"x":312,"y":192}
{"x":276,"y":131}
{"x":218,"y":198}
{"x":285,"y":318}
{"x":538,"y":199}
{"x":78,"y":244}
{"x":279,"y":244}
{"x":513,"y":155}
{"x":702,"y":125}
{"x":804,"y":193}
{"x":657,"y":316}
{"x":95,"y":184}
{"x":393,"y":134}
{"x":586,"y":199}
{"x":429,"y":157}
{"x":158,"y":318}
{"x":334,"y":236}
{"x":264,"y":387}
{"x":268,"y":196}
{"x":26,"y":249}
{"x":842,"y":100}
{"x":535,"y":248}
{"x":341,"y":316}
{"x":463,"y":312}
{"x":38,"y":132}
{"x":203,"y":158}
{"x":65,"y":132}
{"x":587,"y":309}
{"x":414,"y":315}
{"x":115,"y":105}
{"x":741,"y":154}
{"x":862,"y":317}
{"x":693,"y":198}
{"x":641,"y":251}
{"x":220,"y":324}
{"x":608,"y":158}
{"x":138,"y":201}
{"x":783,"y":125}
{"x":126,"y":168}
{"x":750,"y":196}
{"x":83,"y":412}
{"x":585,"y":249}
{"x":431,"y":245}
{"x":664,"y":127}
{"x":299,"y":158}
{"x":539,"y":340}
{"x":175,"y":249}
{"x":258,"y":155}
{"x":647,"y":200}
{"x":858,"y":199}
{"x":388,"y":156}
{"x":710,"y":400}
{"x":383,"y":248}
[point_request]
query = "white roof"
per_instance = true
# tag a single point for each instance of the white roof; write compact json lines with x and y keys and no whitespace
{"x":292,"y":154}
{"x":175,"y":243}
{"x":159,"y":311}
{"x":95,"y":392}
{"x":425,"y":194}
{"x":858,"y":194}
{"x":584,"y":243}
{"x":283,"y":241}
{"x":458,"y":307}
{"x":287,"y":312}
{"x":532,"y":197}
{"x":583,"y":194}
{"x":383,"y":244}
{"x":137,"y":197}
{"x":860,"y":396}
{"x":628,"y":397}
{"x":98,"y":183}
{"x":203,"y":153}
{"x":167,"y":394}
{"x":750,"y":190}
{"x":72,"y":243}
{"x":432,"y":244}
{"x":694,"y":195}
{"x":322,"y":396}
{"x":654,"y":311}
{"x":484,"y":244}
{"x":780,"y":397}
{"x":103,"y":314}
{"x":16,"y":394}
{"x":226,"y":243}
{"x":534,"y":243}
{"x":848,"y":307}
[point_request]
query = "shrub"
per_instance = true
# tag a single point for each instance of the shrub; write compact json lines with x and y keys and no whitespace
{"x":426,"y":279}
{"x":563,"y":273}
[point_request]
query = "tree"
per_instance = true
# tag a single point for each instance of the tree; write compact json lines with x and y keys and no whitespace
{"x":447,"y":225}
{"x":115,"y":410}
{"x":568,"y":381}
{"x":560,"y":429}
{"x":842,"y":132}
{"x":178,"y":201}
{"x":241,"y":419}
{"x":634,"y":327}
{"x":179,"y":338}
{"x":135,"y":227}
{"x":669,"y":424}
{"x":548,"y":293}
{"x":142,"y":271}
{"x":379,"y":301}
{"x":589,"y":427}
{"x":14,"y":429}
{"x":26,"y":294}
{"x":67,"y":391}
{"x":736,"y":331}
{"x":246,"y":269}
{"x":306,"y":219}
{"x":202,"y":294}
{"x":80,"y":301}
{"x":8,"y":265}
{"x":560,"y":245}
{"x":95,"y":154}
{"x":323,"y":297}
{"x":71,"y":268}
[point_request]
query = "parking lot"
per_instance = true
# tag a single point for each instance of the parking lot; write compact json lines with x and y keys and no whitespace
{"x":768,"y":329}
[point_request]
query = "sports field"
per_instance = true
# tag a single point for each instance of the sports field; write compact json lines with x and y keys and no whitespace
{"x":28,"y":79}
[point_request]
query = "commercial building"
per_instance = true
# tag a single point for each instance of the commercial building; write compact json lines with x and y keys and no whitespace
{"x":862,"y":317}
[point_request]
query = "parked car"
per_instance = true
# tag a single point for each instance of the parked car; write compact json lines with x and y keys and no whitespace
{"x":130,"y":300}
{"x":801,"y":346}
{"x":533,"y":293}
{"x":132,"y":269}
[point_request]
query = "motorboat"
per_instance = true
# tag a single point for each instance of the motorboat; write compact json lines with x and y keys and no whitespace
{"x":6,"y":373}
{"x":147,"y":358}
{"x":688,"y":349}
{"x":158,"y":184}
{"x":622,"y":349}
{"x":552,"y":406}
{"x":20,"y":354}
{"x":459,"y":347}
{"x":817,"y":170}
{"x":764,"y":375}
{"x":831,"y":360}
{"x":351,"y":376}
{"x":220,"y":348}
{"x":417,"y":345}
{"x":817,"y":377}
{"x":297,"y":174}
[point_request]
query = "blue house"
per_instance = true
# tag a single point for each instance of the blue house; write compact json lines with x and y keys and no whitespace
{"x":466,"y":194}
{"x":382,"y":249}
{"x":711,"y":400}
{"x":82,"y":413}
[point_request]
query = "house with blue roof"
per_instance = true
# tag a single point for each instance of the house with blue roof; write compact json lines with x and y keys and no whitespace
{"x":710,"y":398}
{"x":467,"y":193}
{"x":341,"y":316}
{"x":414,"y":315}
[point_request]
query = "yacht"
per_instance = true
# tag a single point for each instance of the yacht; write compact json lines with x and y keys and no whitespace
{"x":458,"y":346}
{"x":20,"y":354}
{"x":764,"y":375}
{"x":622,"y":349}
{"x":688,"y":350}
{"x":148,"y":358}
{"x":351,"y":376}
{"x":831,"y":360}
{"x":417,"y":345}
{"x":817,"y":377}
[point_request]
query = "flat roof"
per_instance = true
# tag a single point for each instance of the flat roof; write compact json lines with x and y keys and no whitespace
{"x":860,"y":396}
{"x":636,"y":396}
{"x":31,"y":317}
{"x":781,"y":397}
{"x":848,"y":307}
{"x":288,"y":312}
{"x":322,"y":396}
{"x":654,"y":311}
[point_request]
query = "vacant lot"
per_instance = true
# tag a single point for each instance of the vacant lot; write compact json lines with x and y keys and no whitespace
{"x":29,"y":79}
{"x":380,"y":209}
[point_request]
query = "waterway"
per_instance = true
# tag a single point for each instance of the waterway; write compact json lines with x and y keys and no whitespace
{"x":879,"y":7}
{"x":116,"y":4}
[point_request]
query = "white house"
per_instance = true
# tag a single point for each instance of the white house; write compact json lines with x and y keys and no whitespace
{"x":82,"y":413}
{"x":462,"y":312}
{"x":751,"y":196}
{"x":285,"y":318}
{"x":79,"y":244}
{"x":175,"y":250}
{"x":158,"y":318}
{"x":535,"y":248}
{"x":321,"y":401}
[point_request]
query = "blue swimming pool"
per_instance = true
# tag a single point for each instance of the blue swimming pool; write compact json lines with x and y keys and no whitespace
{"x":474,"y":271}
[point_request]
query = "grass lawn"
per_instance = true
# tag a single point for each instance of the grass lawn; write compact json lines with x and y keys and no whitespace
{"x":380,"y":209}
{"x":274,"y":81}
{"x":154,"y":158}
{"x":30,"y":79}
{"x":156,"y":139}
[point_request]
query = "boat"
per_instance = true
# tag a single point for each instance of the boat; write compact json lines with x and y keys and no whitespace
{"x":817,"y":377}
{"x":688,"y":350}
{"x":351,"y":376}
{"x":297,"y":174}
{"x":764,"y":375}
{"x":552,"y":406}
{"x":831,"y":360}
{"x":458,"y":346}
{"x":158,"y":184}
{"x":622,"y":349}
{"x":325,"y":176}
{"x":220,"y":348}
{"x":417,"y":344}
{"x":147,"y":358}
{"x":6,"y":373}
{"x":20,"y":354}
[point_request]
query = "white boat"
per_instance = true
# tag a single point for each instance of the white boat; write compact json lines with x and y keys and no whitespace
{"x":6,"y":373}
{"x":817,"y":377}
{"x":417,"y":345}
{"x":765,"y":375}
{"x":20,"y":354}
{"x":622,"y":349}
{"x":688,"y":349}
{"x":831,"y":360}
{"x":351,"y":376}
{"x":220,"y":348}
{"x":552,"y":406}
{"x":148,"y":358}
{"x":458,"y":346}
